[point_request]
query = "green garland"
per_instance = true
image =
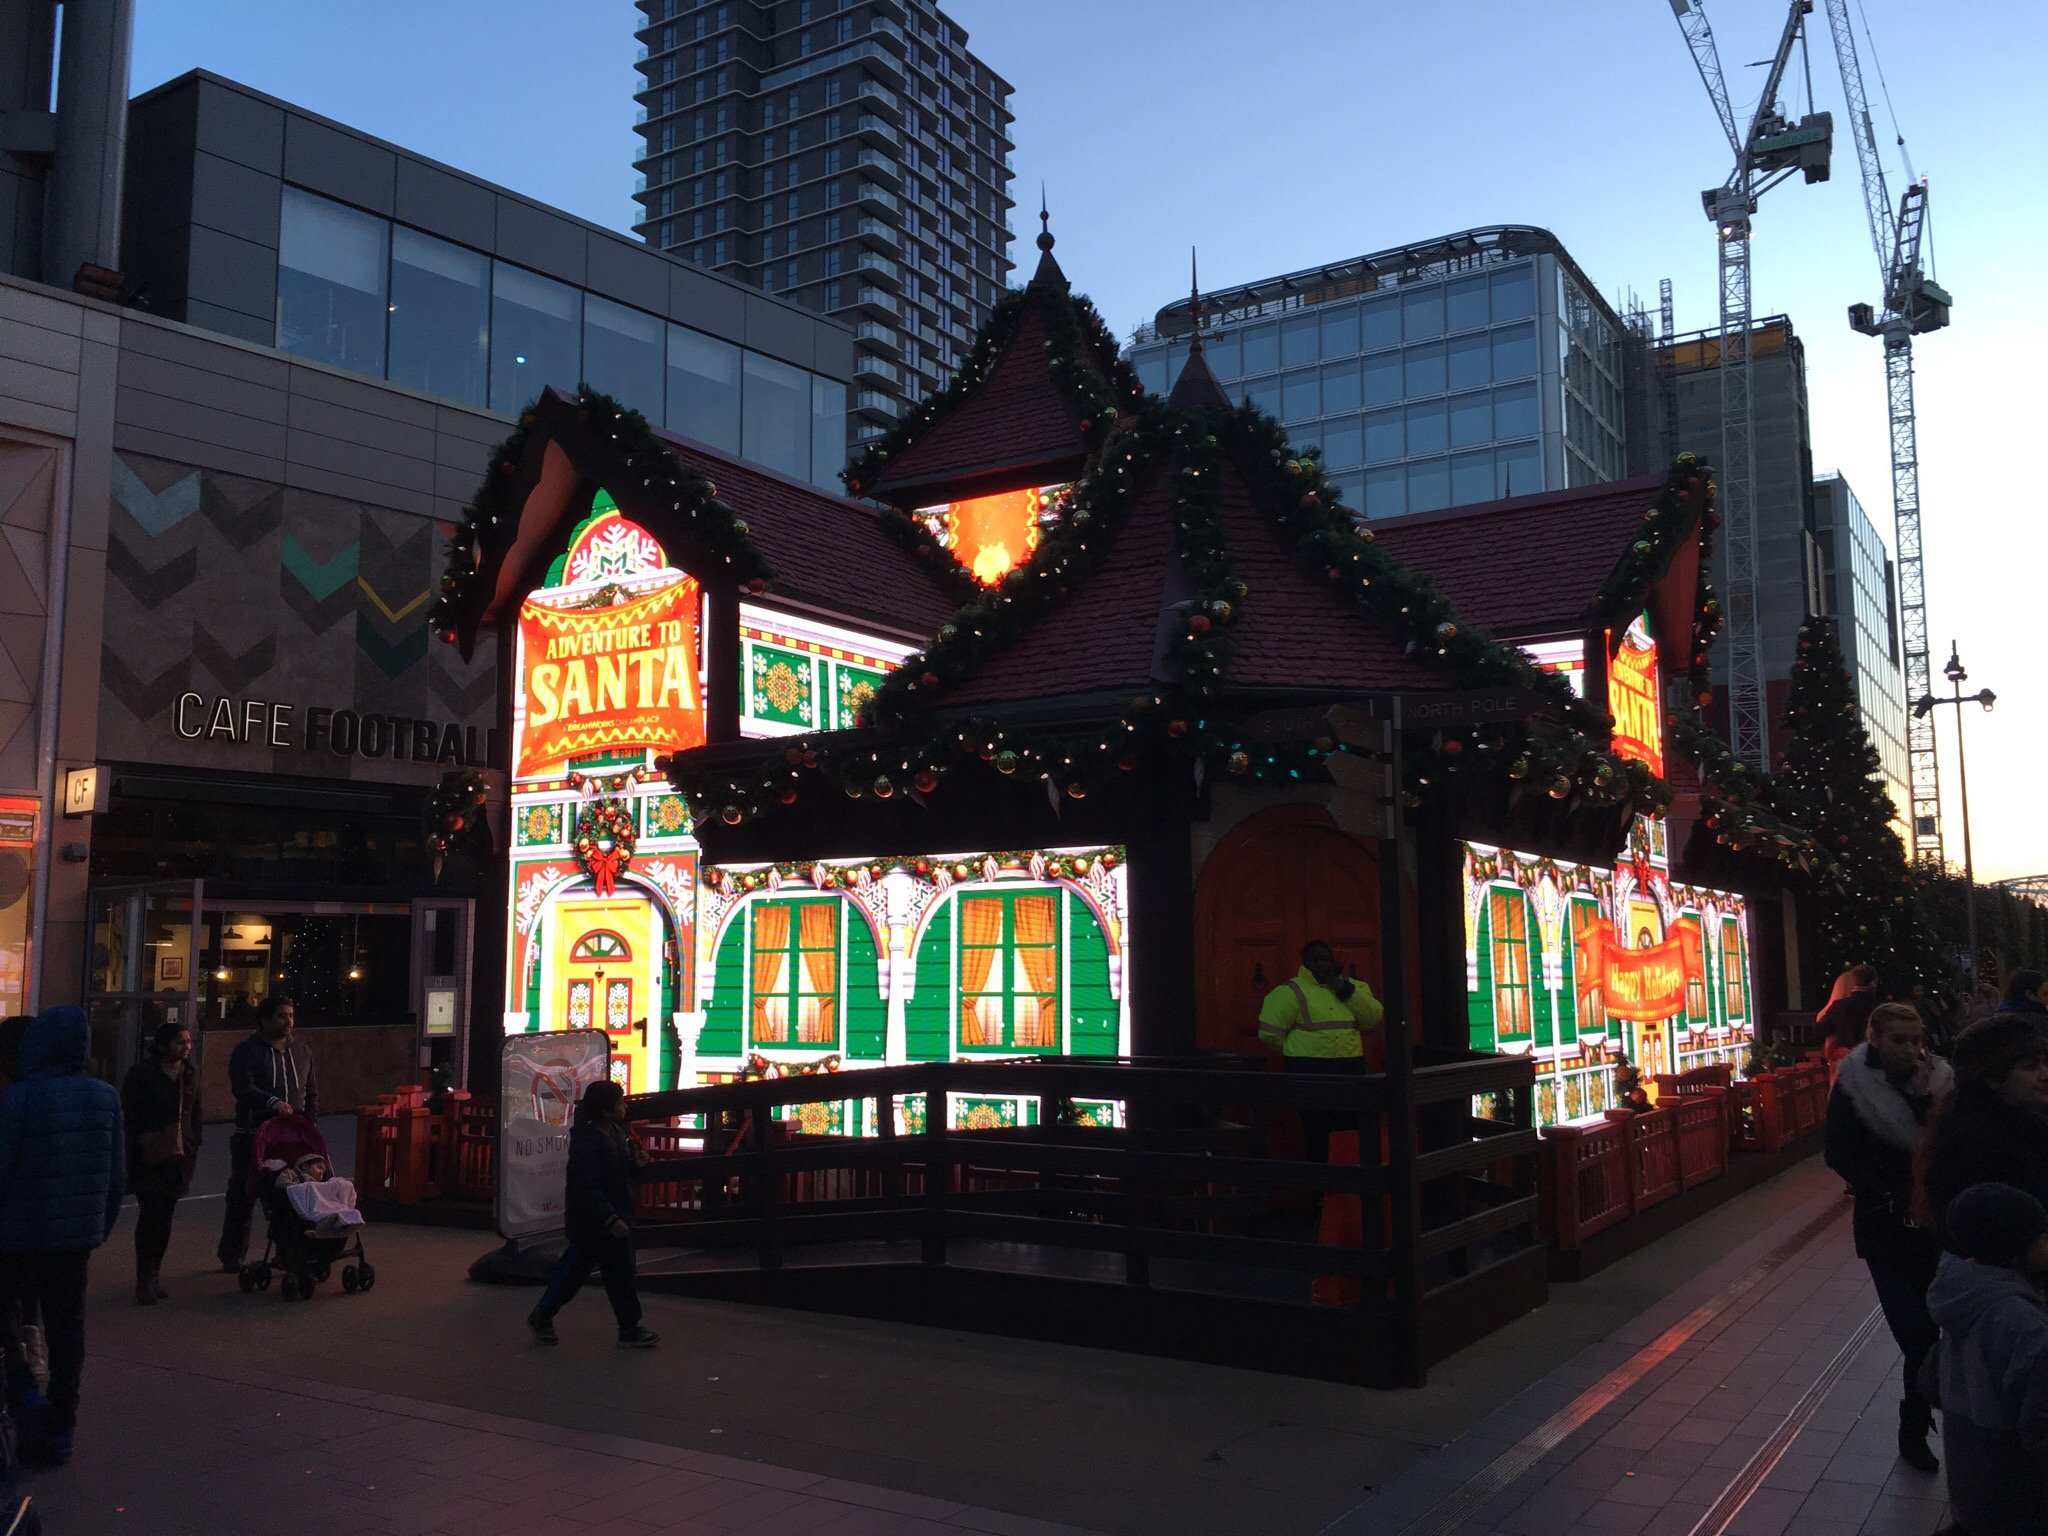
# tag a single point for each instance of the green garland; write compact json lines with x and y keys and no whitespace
{"x":1290,"y":491}
{"x":490,"y":524}
{"x":1081,"y":355}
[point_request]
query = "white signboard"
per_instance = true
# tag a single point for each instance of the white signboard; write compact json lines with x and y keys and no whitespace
{"x":541,"y":1078}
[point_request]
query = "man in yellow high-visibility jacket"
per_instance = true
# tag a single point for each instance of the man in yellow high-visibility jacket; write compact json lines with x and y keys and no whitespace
{"x":1317,"y":1022}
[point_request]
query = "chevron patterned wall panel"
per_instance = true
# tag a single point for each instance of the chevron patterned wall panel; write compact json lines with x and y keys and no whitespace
{"x":28,"y":478}
{"x":264,"y":596}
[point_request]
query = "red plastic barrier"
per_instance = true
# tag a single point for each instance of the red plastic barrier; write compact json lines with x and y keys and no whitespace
{"x":376,"y":1140}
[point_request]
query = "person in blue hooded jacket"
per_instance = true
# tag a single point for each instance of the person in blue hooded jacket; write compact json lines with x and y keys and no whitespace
{"x":1991,"y":1367}
{"x":61,"y":1152}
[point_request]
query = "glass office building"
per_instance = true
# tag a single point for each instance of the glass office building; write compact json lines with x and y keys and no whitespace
{"x":1857,"y":587}
{"x":376,"y":296}
{"x":1474,"y":367}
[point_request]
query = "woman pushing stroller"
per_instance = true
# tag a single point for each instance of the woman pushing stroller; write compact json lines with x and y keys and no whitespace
{"x":603,"y":1163}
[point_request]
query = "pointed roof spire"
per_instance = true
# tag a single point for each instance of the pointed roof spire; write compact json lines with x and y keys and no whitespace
{"x":1196,"y":384}
{"x":1048,"y":269}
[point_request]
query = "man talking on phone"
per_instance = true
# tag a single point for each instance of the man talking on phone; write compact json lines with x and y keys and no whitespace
{"x":1317,"y":1022}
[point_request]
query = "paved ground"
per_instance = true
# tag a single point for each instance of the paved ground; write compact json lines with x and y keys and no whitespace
{"x":1632,"y":1402}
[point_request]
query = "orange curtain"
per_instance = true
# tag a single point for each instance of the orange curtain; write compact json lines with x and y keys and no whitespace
{"x":1037,"y":938}
{"x":818,"y":937}
{"x":981,"y":938}
{"x":771,"y":973}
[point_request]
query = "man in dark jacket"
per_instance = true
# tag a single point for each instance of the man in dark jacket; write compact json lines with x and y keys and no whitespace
{"x":270,"y":1073}
{"x":1994,"y":1129}
{"x":603,"y":1164}
{"x":2026,"y":994}
{"x":1882,"y":1094}
{"x":61,"y":1152}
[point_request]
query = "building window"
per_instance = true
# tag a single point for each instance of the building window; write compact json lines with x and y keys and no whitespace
{"x":622,"y":353}
{"x":828,"y":423}
{"x":440,"y":317}
{"x":331,"y":265}
{"x":1508,"y":911}
{"x":775,"y":427}
{"x":703,"y":388}
{"x":536,"y":334}
{"x":1734,"y":980}
{"x":1009,"y":972}
{"x":1588,"y":982}
{"x":1695,"y":968}
{"x":795,"y":994}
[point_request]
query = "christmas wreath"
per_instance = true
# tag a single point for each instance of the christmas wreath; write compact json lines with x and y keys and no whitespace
{"x":605,"y":839}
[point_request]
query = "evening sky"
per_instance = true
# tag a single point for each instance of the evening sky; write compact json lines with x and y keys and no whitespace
{"x":1283,"y":135}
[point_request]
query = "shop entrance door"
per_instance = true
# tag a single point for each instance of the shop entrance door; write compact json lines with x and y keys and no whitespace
{"x":1277,"y":880}
{"x":141,"y":969}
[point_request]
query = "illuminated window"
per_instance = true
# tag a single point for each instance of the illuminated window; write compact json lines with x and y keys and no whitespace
{"x":796,"y":972}
{"x":1009,"y":972}
{"x":991,"y":535}
{"x":1592,"y":999}
{"x":1734,"y":979}
{"x":1692,"y":944}
{"x":1510,"y":927}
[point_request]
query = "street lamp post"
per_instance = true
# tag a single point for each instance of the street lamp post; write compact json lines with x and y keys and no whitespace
{"x":1956,"y":676}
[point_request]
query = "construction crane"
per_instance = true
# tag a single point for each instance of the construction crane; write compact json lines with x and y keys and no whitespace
{"x":1771,"y":149}
{"x":1913,"y":306}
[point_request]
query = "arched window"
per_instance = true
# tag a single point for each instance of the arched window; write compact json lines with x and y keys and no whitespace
{"x":1734,"y":974}
{"x":1508,"y":917}
{"x":1010,"y":971}
{"x":600,"y":944}
{"x":1588,"y":982}
{"x":1692,"y":946}
{"x":794,"y":997}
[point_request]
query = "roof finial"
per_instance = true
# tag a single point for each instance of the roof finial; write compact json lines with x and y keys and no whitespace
{"x":1194,"y":305}
{"x":1044,"y":221}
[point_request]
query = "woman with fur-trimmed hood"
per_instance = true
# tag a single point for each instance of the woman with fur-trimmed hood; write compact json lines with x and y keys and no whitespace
{"x":1883,"y":1092}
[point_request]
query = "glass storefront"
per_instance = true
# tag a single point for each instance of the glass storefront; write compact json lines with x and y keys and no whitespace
{"x":375,"y":297}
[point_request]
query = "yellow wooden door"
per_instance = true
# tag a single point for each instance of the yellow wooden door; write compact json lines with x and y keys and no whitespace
{"x":609,"y":977}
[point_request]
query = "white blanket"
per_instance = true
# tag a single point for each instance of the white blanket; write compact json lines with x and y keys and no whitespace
{"x":327,"y":1205}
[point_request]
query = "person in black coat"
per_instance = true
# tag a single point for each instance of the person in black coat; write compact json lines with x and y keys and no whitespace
{"x":1994,"y":1128}
{"x":1884,"y":1090}
{"x":269,"y":1073}
{"x":2026,"y":994}
{"x":604,"y":1161}
{"x":160,"y":1111}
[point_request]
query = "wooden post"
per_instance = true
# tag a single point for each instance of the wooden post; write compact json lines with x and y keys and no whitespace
{"x":937,"y":1165}
{"x":1406,"y":1257}
{"x":767,"y":1186}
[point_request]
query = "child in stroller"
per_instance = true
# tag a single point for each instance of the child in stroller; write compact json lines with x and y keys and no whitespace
{"x":310,"y":1217}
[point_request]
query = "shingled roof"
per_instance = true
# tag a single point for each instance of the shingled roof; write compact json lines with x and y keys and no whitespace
{"x":1527,"y":566}
{"x":1008,"y":421}
{"x":729,"y":521}
{"x":828,"y":553}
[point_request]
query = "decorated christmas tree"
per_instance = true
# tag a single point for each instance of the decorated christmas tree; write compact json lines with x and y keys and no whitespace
{"x":1866,"y":907}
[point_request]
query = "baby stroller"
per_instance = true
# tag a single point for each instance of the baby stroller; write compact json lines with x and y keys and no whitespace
{"x":304,"y":1241}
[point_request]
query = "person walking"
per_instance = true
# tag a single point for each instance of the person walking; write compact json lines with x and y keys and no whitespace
{"x":1846,"y":1018}
{"x":61,"y":1151}
{"x":269,"y":1073}
{"x":1317,"y":1022}
{"x":160,"y":1107}
{"x":1994,"y":1127}
{"x":1991,"y":1367}
{"x":2026,"y":994}
{"x":1883,"y":1092}
{"x":604,"y":1161}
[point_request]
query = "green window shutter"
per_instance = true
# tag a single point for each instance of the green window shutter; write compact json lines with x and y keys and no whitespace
{"x":1567,"y":1020}
{"x":1092,"y":1011}
{"x":1541,"y":1024}
{"x":866,"y":1013}
{"x":726,"y":1008}
{"x":1480,"y":1000}
{"x":928,"y":1016}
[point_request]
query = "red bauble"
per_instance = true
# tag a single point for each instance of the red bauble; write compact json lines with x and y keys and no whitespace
{"x":928,"y":680}
{"x":1199,"y":624}
{"x":1176,"y":729}
{"x":926,"y":781}
{"x":788,"y":795}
